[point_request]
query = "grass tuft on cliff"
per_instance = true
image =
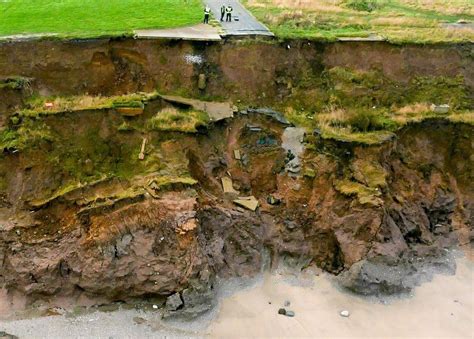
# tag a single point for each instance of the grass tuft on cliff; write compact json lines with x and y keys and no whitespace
{"x":28,"y":134}
{"x":365,"y":195}
{"x":15,"y":83}
{"x":93,"y":18}
{"x":175,"y":120}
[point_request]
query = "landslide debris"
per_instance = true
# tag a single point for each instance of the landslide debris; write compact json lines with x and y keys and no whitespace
{"x":82,"y":216}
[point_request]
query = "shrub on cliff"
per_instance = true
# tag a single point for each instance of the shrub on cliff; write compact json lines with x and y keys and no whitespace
{"x":367,"y":120}
{"x":364,"y":5}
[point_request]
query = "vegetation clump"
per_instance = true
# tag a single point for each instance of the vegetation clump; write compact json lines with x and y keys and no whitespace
{"x":365,"y":195}
{"x":175,"y":120}
{"x":29,"y":133}
{"x":125,"y":127}
{"x":369,"y":173}
{"x":172,"y":182}
{"x":440,"y":90}
{"x":121,"y":103}
{"x":364,"y":5}
{"x":15,"y":83}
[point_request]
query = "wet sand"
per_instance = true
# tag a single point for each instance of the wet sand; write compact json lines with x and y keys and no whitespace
{"x":442,"y":308}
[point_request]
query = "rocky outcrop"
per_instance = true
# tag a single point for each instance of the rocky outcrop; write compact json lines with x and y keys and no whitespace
{"x":387,"y":275}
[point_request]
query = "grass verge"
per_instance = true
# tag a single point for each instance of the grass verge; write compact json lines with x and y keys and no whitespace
{"x":399,"y":21}
{"x":93,"y":18}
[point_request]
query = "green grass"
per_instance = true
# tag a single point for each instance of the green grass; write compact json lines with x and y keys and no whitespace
{"x":92,"y":18}
{"x":175,"y":120}
{"x":37,"y":106}
{"x":28,"y":134}
{"x":398,"y":21}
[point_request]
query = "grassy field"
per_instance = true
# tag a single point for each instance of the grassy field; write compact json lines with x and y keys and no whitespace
{"x":421,"y":21}
{"x":92,"y":18}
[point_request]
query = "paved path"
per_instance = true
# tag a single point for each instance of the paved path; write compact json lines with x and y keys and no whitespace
{"x":216,"y":110}
{"x":198,"y":32}
{"x":247,"y":24}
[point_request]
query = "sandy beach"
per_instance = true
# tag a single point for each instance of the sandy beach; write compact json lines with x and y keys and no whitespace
{"x":442,"y":308}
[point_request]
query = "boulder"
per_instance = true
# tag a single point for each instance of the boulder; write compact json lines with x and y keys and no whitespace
{"x":386,"y":275}
{"x":174,"y":302}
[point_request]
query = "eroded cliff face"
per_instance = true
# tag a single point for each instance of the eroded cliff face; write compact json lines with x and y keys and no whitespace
{"x":81,"y":216}
{"x":257,"y":72}
{"x":121,"y":239}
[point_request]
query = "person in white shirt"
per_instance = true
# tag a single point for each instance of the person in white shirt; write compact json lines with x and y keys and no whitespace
{"x":207,"y":13}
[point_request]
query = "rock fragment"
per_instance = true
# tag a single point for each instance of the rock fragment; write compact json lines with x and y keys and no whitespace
{"x":139,"y":320}
{"x":237,"y":155}
{"x":272,"y":200}
{"x":440,"y":109}
{"x":345,"y":313}
{"x":141,"y":156}
{"x":227,"y":186}
{"x":250,"y":203}
{"x":252,"y":128}
{"x":286,"y":312}
{"x":290,"y":225}
{"x":174,"y":302}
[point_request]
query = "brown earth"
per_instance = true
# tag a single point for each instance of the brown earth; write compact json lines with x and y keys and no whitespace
{"x":252,"y":72}
{"x":81,"y":217}
{"x":103,"y":241}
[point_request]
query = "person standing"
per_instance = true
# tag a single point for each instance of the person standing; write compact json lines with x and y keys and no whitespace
{"x":222,"y":12}
{"x":207,"y":13}
{"x":228,"y":12}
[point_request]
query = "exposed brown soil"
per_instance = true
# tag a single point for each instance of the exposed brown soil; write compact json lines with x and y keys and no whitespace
{"x":254,"y":72}
{"x":182,"y":239}
{"x":147,"y":230}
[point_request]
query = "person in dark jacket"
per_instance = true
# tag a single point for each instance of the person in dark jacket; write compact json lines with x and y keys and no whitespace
{"x":222,"y":12}
{"x":228,"y":13}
